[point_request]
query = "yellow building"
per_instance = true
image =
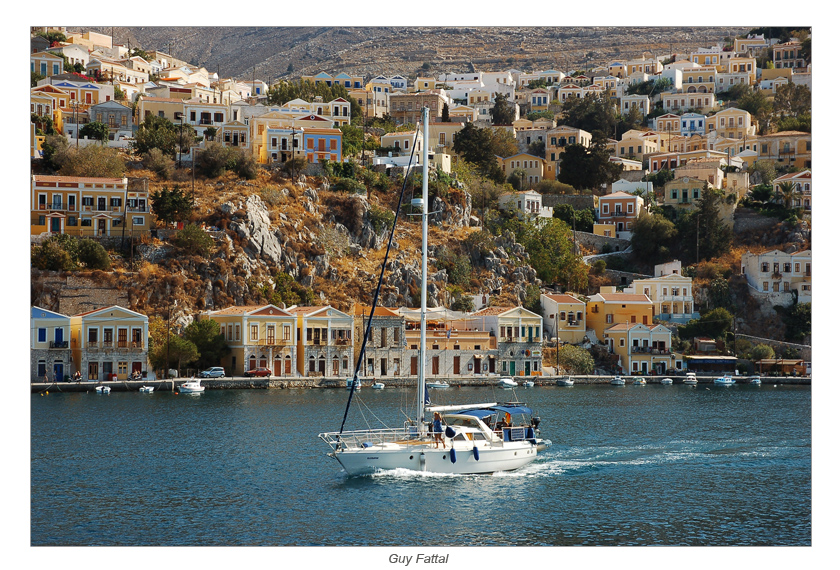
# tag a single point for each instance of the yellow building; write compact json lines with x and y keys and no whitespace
{"x":88,"y":207}
{"x":532,"y":167}
{"x":110,"y":343}
{"x":641,"y":348}
{"x":259,"y":336}
{"x":732,"y":123}
{"x":683,"y":192}
{"x":786,"y":148}
{"x":608,"y":308}
{"x":565,"y":317}
{"x":324,"y":341}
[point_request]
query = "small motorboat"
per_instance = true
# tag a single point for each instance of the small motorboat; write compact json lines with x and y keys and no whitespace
{"x":528,"y":384}
{"x":690,"y":378}
{"x":191,"y":387}
{"x":755,"y":380}
{"x":724,"y":381}
{"x":437,"y":385}
{"x":147,"y":389}
{"x":639,"y":382}
{"x":349,"y":384}
{"x":507,"y":383}
{"x":567,"y":381}
{"x":666,"y":382}
{"x":617,"y":381}
{"x":378,"y":386}
{"x":103,"y":389}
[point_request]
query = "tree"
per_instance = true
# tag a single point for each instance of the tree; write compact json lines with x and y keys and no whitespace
{"x":444,"y":114}
{"x":171,"y":205}
{"x":156,"y":132}
{"x":578,"y":220}
{"x":194,"y":241}
{"x":785,"y":193}
{"x":475,"y":145}
{"x":502,"y":113}
{"x":214,"y":160}
{"x":713,"y":324}
{"x":652,"y":236}
{"x":703,"y":234}
{"x":549,"y":248}
{"x":93,"y":161}
{"x":178,"y":351}
{"x":575,"y":360}
{"x":35,"y":78}
{"x":92,"y":255}
{"x":95,"y":130}
{"x":766,"y":171}
{"x":587,"y":168}
{"x":762,"y":352}
{"x":51,"y":256}
{"x":209,"y":133}
{"x":209,"y":341}
{"x":797,"y":320}
{"x":792,"y":100}
{"x":590,"y":113}
{"x":757,"y":105}
{"x":159,"y":163}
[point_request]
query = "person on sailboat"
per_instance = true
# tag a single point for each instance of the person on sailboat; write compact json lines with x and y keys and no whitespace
{"x":437,"y":427}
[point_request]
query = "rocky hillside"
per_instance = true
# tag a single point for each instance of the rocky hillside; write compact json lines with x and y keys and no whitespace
{"x":271,"y":228}
{"x":267,"y":53}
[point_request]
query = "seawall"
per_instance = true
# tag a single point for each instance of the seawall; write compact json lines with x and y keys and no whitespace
{"x":328,"y":383}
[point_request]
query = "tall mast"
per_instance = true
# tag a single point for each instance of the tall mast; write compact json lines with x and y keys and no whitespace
{"x":421,"y":380}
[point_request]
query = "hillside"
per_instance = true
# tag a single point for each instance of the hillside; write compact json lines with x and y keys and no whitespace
{"x":267,"y":52}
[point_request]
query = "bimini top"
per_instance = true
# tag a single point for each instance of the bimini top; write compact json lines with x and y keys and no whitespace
{"x":483,"y":413}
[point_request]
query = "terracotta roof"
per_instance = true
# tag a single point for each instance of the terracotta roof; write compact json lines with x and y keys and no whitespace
{"x":492,"y":311}
{"x":239,"y":310}
{"x":303,"y":310}
{"x":379,"y":312}
{"x":565,"y":299}
{"x":46,"y":178}
{"x":625,"y":298}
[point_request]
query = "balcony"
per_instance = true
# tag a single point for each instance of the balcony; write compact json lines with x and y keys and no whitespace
{"x":58,"y":344}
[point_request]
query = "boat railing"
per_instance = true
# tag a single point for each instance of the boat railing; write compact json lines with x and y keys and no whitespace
{"x":369,"y":437}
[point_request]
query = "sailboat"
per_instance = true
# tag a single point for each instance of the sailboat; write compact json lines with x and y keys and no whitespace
{"x":476,"y":438}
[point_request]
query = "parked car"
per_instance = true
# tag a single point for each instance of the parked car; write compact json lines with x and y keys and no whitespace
{"x":213,"y":372}
{"x":258,"y":372}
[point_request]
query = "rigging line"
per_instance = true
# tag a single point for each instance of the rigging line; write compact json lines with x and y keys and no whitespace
{"x":379,"y":284}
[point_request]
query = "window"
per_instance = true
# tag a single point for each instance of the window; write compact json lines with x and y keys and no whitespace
{"x":609,"y":318}
{"x":42,"y":335}
{"x":255,"y":332}
{"x":93,"y":335}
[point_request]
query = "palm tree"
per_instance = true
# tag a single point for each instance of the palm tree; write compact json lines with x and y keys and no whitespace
{"x":785,"y":193}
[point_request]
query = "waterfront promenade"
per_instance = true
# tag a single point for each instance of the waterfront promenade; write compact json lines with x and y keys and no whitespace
{"x":454,"y":382}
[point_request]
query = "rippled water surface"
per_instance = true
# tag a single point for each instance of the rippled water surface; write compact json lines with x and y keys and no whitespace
{"x":645,"y":465}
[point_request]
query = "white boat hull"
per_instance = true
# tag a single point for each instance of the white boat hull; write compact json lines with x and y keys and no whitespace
{"x":423,"y":457}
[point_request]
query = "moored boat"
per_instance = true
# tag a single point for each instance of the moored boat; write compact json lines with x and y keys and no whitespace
{"x":690,"y":378}
{"x":617,"y":381}
{"x":147,"y":389}
{"x":755,"y":380}
{"x":507,"y":383}
{"x":666,"y":381}
{"x":377,"y":386}
{"x":724,"y":381}
{"x":191,"y":386}
{"x":528,"y":384}
{"x":349,"y":384}
{"x":567,"y":381}
{"x":437,"y":385}
{"x":103,"y":389}
{"x":639,"y":382}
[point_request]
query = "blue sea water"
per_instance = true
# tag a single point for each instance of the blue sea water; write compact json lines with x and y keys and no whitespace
{"x":633,"y":465}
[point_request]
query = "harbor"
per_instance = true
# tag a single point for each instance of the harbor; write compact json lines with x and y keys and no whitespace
{"x":239,"y":462}
{"x":454,"y":382}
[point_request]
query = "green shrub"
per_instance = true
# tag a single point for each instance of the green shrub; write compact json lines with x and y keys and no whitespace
{"x":92,"y":255}
{"x":193,"y":240}
{"x":348,"y":185}
{"x":214,"y":160}
{"x":156,"y":161}
{"x":380,"y":218}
